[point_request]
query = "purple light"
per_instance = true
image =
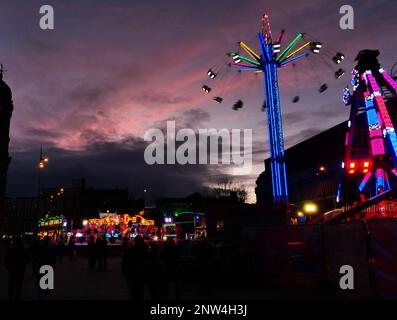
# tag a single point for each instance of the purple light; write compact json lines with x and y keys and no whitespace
{"x":389,"y":79}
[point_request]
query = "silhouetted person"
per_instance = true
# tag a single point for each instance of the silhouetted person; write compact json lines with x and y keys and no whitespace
{"x":124,"y":256}
{"x":47,"y":256}
{"x":34,"y":251}
{"x":204,"y":261}
{"x":60,"y":246}
{"x":171,"y":258}
{"x":71,"y":247}
{"x":155,"y":273}
{"x":136,"y":263}
{"x":102,"y":245}
{"x":92,"y":250}
{"x":16,"y":259}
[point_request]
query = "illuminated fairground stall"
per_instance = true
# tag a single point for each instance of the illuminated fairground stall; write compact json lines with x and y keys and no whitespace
{"x":184,"y":225}
{"x":52,"y":226}
{"x":117,"y":226}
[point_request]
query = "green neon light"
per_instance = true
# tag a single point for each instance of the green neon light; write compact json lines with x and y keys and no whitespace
{"x":288,"y":49}
{"x":168,"y":225}
{"x":249,"y":60}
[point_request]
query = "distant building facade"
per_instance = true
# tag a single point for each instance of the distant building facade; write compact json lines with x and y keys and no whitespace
{"x":79,"y":202}
{"x":22,"y":216}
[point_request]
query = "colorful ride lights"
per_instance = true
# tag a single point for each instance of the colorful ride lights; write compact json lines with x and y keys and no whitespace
{"x":355,"y":166}
{"x":211,"y":74}
{"x":310,"y":208}
{"x":206,"y":89}
{"x":338,"y":58}
{"x":168,"y":220}
{"x":346,"y":96}
{"x":235,"y":57}
{"x":315,"y":47}
{"x":276,"y":48}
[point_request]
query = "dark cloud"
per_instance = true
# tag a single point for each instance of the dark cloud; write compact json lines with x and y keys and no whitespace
{"x":106,"y":165}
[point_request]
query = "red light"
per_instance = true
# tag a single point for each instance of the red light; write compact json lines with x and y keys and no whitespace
{"x":351,"y":171}
{"x":295,"y":243}
{"x":366,"y":164}
{"x":352,"y":165}
{"x":365,"y":170}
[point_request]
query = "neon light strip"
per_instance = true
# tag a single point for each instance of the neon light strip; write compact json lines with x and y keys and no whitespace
{"x":280,"y":129}
{"x":274,"y":134}
{"x":364,"y":181}
{"x":280,"y":37}
{"x":255,"y":63}
{"x":304,"y":54}
{"x":297,"y":50}
{"x":268,"y":100}
{"x":376,"y":137}
{"x":389,"y":79}
{"x":384,"y":114}
{"x":379,"y":101}
{"x":295,"y":243}
{"x":393,"y":140}
{"x":265,"y":57}
{"x":387,"y":181}
{"x":380,"y":180}
{"x":243,"y":65}
{"x":249,"y":69}
{"x":251,"y":52}
{"x":290,"y":46}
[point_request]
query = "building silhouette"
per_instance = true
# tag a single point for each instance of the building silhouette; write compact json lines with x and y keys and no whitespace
{"x":6,"y":108}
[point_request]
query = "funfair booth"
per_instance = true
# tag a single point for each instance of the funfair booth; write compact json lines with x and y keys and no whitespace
{"x":115,"y":227}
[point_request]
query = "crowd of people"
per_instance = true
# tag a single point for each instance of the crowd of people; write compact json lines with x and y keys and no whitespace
{"x":152,"y":265}
{"x":20,"y":253}
{"x":155,"y":266}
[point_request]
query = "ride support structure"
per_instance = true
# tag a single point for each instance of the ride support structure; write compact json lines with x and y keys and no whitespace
{"x":369,"y":168}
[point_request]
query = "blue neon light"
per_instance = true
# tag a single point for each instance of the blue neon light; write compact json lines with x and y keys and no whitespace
{"x":274,"y":120}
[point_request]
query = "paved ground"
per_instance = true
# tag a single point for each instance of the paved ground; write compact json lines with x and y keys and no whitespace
{"x":73,"y":281}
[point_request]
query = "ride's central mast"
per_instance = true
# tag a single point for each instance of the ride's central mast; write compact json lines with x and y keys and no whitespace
{"x":269,"y":68}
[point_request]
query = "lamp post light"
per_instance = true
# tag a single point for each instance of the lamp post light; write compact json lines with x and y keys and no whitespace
{"x":43,"y":160}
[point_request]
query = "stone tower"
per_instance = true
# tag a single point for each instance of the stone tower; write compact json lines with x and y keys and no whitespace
{"x":6,"y":108}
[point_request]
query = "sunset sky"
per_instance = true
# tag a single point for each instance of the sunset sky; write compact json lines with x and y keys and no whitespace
{"x":88,"y":90}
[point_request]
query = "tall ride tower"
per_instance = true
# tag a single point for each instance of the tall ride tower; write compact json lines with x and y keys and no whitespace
{"x":267,"y":62}
{"x":6,"y":108}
